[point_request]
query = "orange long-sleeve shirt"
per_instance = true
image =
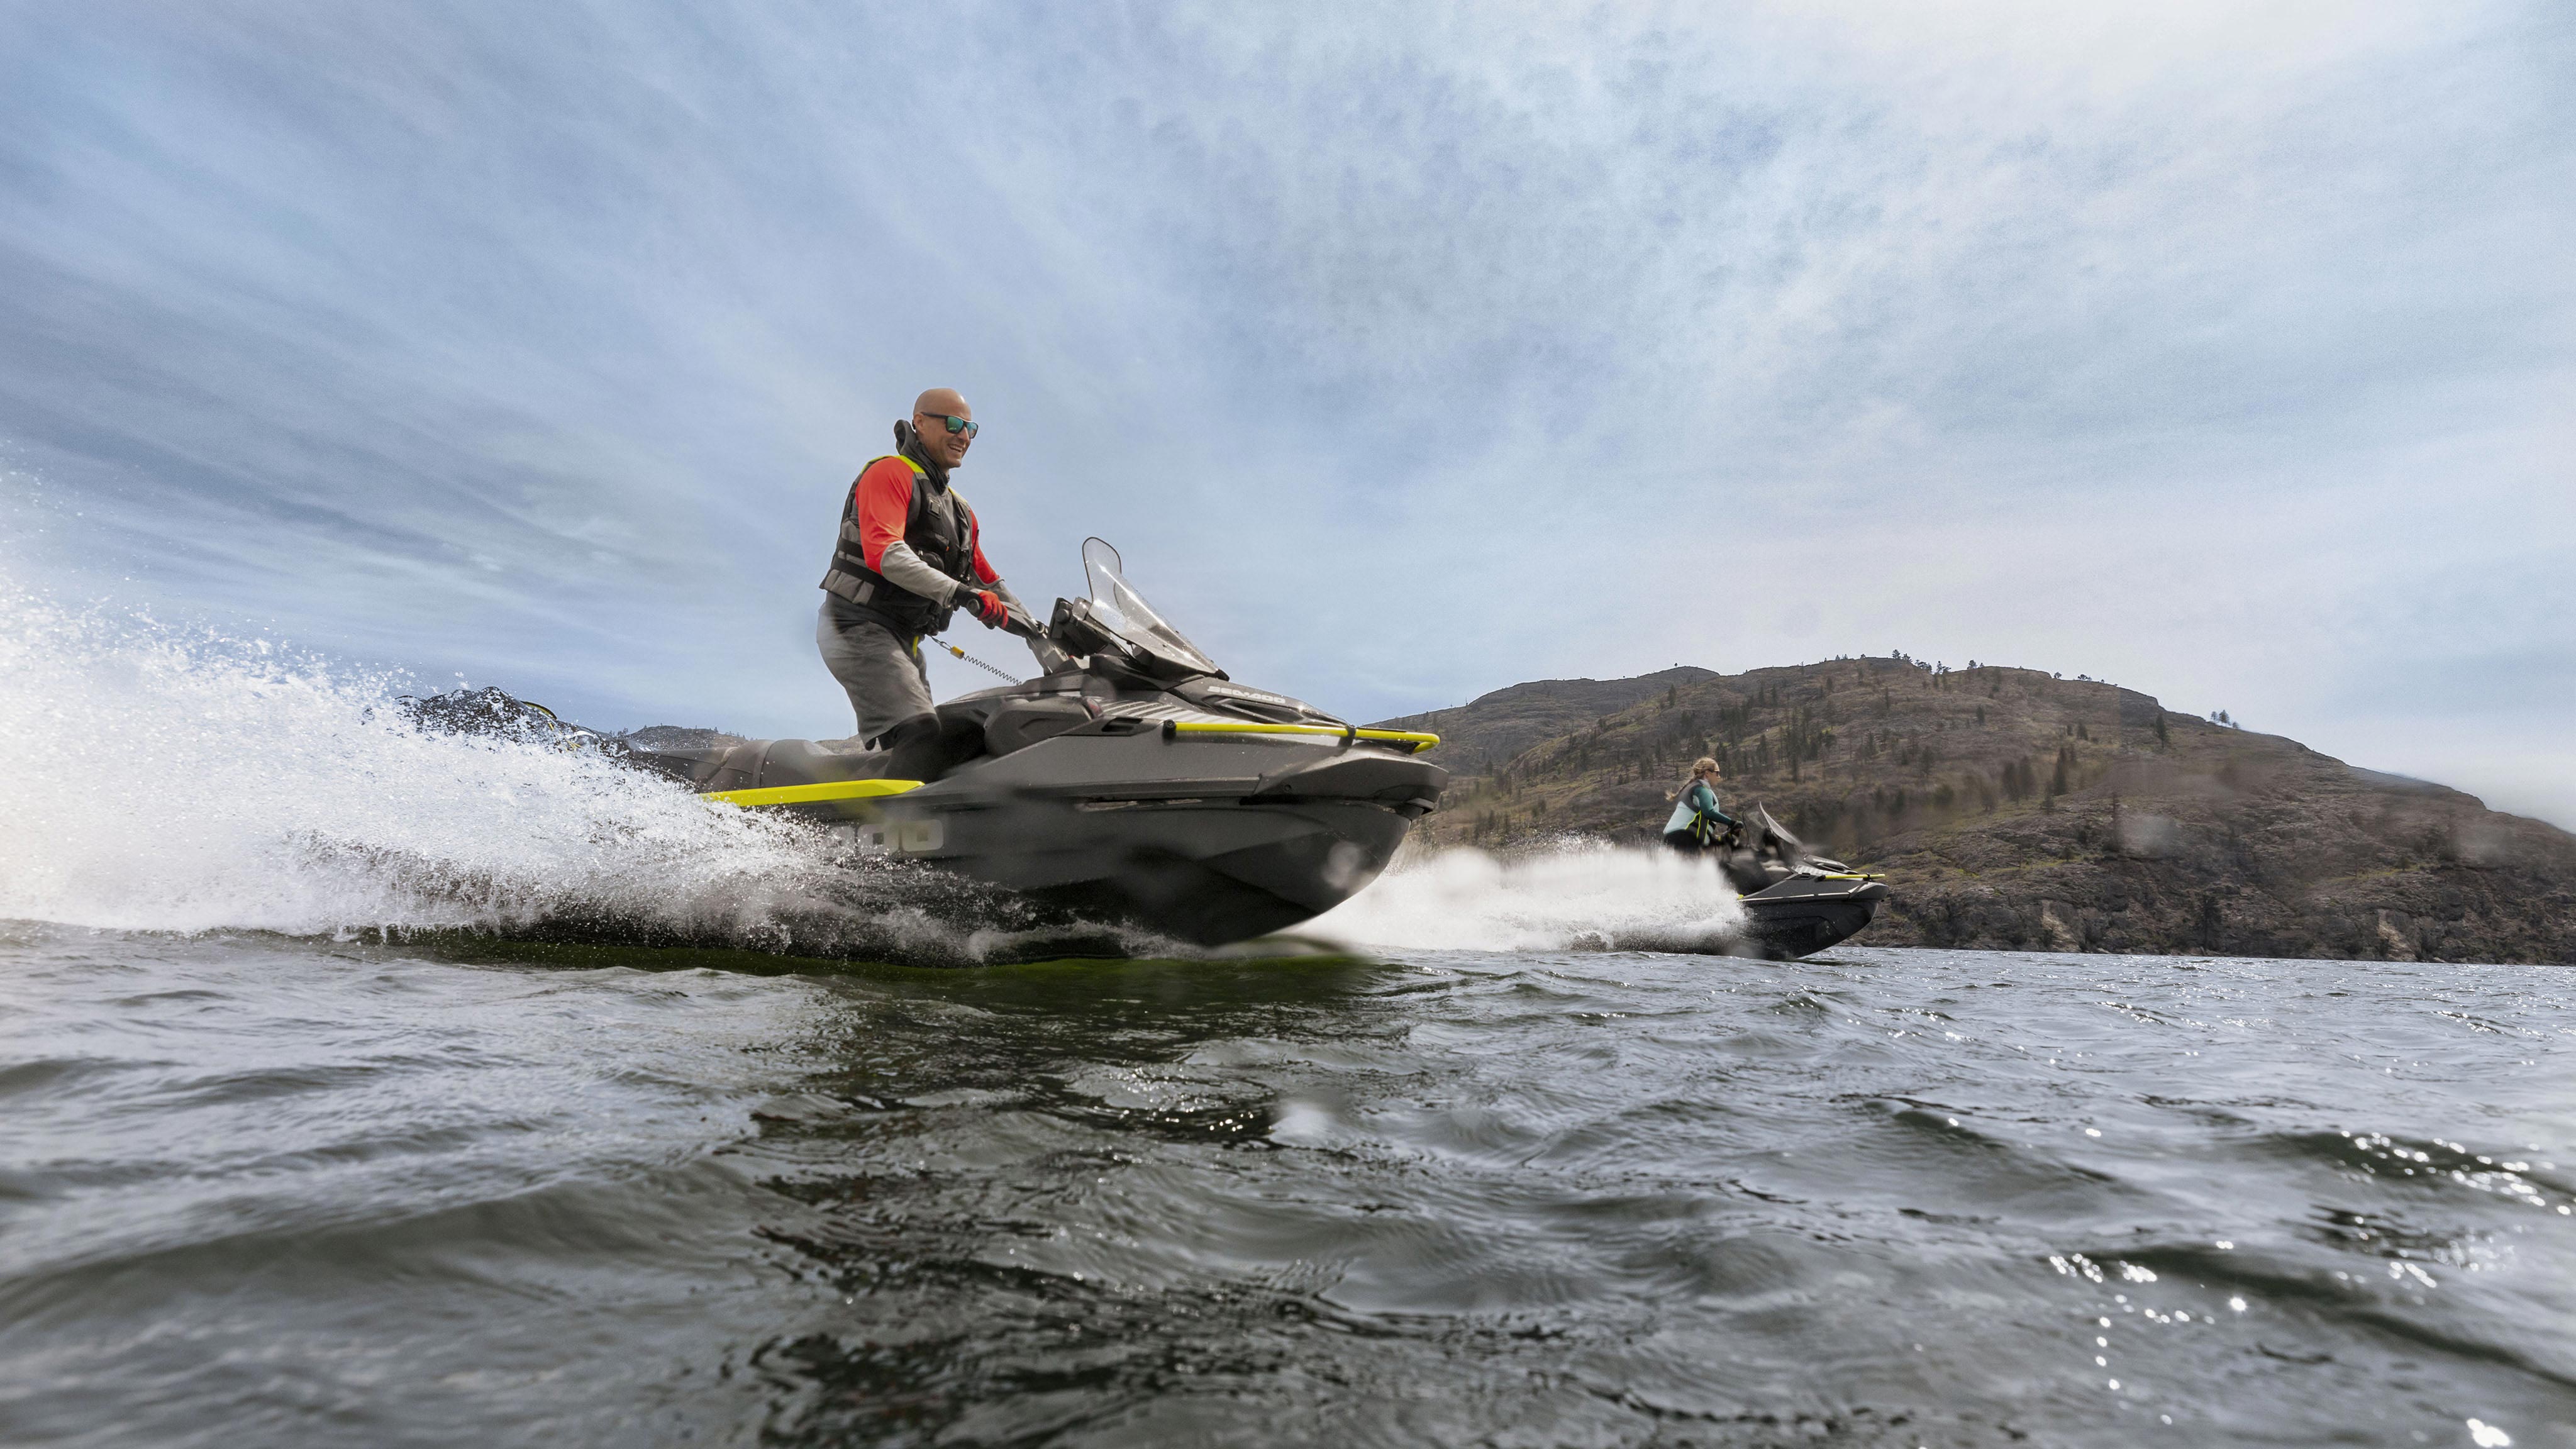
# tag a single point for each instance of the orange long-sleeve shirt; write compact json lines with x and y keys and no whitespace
{"x":884,"y":503}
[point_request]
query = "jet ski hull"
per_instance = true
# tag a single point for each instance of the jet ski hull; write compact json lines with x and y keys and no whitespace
{"x":1208,"y":840}
{"x":1806,"y":914}
{"x":1208,"y":872}
{"x":1798,"y":915}
{"x":1203,"y":838}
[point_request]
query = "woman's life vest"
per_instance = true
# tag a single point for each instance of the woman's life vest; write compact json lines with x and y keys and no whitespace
{"x":1704,"y":822}
{"x":939,"y":527}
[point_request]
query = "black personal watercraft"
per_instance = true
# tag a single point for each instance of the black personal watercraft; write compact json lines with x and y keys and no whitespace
{"x":1140,"y":785}
{"x":1796,"y":902}
{"x":1137,"y":784}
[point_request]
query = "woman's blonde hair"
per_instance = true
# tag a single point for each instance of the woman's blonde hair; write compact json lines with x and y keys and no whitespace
{"x":1701,"y":766}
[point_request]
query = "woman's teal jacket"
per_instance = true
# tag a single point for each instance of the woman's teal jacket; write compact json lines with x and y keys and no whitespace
{"x":1697,"y":812}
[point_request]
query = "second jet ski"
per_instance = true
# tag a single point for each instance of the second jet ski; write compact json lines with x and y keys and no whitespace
{"x":1796,"y":902}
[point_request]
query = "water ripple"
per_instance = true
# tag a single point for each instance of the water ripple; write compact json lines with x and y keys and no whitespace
{"x":258,"y":1188}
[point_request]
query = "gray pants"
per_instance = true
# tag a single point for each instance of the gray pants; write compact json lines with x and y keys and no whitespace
{"x":881,"y":671}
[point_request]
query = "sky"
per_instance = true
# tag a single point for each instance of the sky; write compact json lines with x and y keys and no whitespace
{"x":2224,"y":352}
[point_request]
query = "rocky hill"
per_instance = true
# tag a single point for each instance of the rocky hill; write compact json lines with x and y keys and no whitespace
{"x":2011,"y":809}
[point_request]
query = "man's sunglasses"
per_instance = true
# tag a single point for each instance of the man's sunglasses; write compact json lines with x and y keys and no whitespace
{"x":957,"y":424}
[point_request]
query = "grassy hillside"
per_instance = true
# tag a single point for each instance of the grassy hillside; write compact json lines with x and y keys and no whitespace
{"x":1489,"y":730}
{"x":2012,"y":809}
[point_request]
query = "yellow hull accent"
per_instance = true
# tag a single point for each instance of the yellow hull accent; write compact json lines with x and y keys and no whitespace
{"x":813,"y":794}
{"x":1419,"y":741}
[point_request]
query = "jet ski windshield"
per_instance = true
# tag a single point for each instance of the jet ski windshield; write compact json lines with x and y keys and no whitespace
{"x":1116,"y":605}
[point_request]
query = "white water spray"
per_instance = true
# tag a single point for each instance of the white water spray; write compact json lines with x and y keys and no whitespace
{"x":1573,"y":897}
{"x":168,"y":782}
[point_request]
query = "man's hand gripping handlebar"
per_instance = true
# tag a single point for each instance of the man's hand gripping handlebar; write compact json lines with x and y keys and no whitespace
{"x":995,"y":612}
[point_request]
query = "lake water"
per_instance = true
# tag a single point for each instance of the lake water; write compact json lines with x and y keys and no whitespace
{"x":260,"y":1189}
{"x":360,"y":1086}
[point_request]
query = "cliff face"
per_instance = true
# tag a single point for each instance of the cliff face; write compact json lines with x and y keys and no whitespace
{"x":2013,"y":810}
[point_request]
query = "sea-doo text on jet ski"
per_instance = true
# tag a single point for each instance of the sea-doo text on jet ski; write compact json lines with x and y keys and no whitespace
{"x":1138,"y":784}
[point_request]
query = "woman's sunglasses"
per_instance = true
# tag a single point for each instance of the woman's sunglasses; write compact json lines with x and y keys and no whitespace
{"x":958,"y":425}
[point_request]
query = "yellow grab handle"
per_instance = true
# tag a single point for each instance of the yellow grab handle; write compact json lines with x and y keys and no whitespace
{"x":1419,"y":741}
{"x":813,"y":794}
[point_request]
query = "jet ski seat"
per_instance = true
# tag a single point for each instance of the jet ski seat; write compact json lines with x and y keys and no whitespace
{"x":758,"y":764}
{"x":969,"y":729}
{"x":981,"y":727}
{"x":813,"y":762}
{"x":1016,"y":724}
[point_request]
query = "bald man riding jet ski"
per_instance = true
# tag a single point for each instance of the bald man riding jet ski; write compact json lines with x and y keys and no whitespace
{"x":908,"y":557}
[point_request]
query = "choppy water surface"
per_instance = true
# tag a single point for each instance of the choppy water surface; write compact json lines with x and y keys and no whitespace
{"x":268,"y":1190}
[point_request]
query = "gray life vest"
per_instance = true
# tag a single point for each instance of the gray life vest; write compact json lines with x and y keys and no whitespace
{"x":939,"y":527}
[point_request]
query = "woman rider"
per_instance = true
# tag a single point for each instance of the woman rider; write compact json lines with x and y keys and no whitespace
{"x":1697,"y":821}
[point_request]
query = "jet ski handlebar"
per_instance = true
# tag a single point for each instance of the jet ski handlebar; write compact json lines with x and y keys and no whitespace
{"x":1016,"y":622}
{"x":1078,"y":630}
